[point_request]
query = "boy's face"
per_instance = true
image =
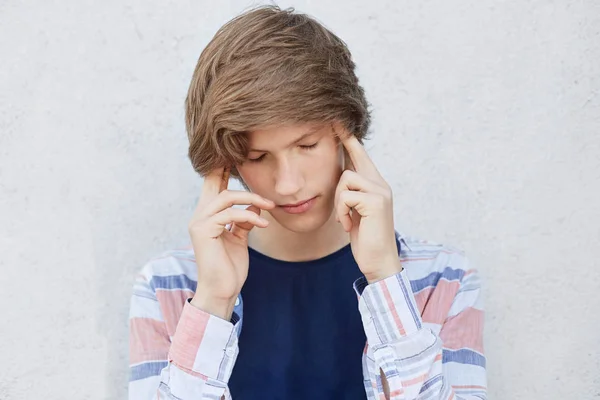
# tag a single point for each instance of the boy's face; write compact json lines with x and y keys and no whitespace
{"x":288,"y":171}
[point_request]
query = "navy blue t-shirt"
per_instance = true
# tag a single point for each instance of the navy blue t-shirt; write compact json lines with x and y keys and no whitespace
{"x":302,"y":336}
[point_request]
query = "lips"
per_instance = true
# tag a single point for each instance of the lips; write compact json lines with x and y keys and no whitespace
{"x":300,"y":208}
{"x":297,"y":204}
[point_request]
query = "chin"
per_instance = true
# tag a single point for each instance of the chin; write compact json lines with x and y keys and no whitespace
{"x":308,"y":223}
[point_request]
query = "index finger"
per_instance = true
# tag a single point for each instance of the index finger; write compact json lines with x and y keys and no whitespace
{"x":359,"y":157}
{"x":215,"y":182}
{"x":225,"y":179}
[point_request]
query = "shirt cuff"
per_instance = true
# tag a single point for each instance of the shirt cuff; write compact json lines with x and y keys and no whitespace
{"x":388,"y":309}
{"x":205,"y":345}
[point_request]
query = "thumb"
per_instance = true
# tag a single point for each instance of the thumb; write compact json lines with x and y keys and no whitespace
{"x":241,"y":230}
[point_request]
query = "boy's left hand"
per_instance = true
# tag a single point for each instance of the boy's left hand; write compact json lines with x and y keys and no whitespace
{"x":364,"y":207}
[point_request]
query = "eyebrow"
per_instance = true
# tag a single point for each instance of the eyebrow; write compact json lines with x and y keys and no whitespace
{"x":303,"y":136}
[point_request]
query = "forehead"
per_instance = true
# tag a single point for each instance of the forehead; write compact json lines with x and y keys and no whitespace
{"x":285,"y":132}
{"x":285,"y":136}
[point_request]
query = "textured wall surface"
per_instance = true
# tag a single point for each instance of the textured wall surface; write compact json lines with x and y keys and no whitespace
{"x":486,"y":123}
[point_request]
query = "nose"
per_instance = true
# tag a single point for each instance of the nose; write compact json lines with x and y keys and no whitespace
{"x":288,"y":178}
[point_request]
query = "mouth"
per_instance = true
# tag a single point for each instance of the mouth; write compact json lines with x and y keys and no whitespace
{"x":300,"y":207}
{"x":296,"y":204}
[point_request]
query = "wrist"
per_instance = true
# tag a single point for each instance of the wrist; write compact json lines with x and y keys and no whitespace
{"x":389,"y":269}
{"x":219,"y":307}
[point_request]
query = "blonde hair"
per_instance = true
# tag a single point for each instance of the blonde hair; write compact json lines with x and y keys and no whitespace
{"x":268,"y":67}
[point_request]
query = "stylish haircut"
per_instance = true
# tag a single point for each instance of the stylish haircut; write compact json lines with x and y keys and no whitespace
{"x":268,"y":67}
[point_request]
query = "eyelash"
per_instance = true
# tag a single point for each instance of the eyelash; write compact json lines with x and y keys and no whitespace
{"x":259,"y":159}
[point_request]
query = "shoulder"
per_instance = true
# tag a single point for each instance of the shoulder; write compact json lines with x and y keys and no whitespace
{"x":428,"y":261}
{"x":439,"y":274}
{"x":169,"y":270}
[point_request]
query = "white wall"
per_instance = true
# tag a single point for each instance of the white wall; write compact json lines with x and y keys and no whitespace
{"x":486,"y":123}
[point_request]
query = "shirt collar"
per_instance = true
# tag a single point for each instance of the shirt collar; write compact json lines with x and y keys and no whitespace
{"x":401,"y":237}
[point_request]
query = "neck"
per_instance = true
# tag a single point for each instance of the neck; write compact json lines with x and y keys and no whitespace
{"x":280,"y":243}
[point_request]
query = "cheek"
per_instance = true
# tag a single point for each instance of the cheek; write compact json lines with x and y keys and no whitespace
{"x":328,"y":164}
{"x":247,"y":174}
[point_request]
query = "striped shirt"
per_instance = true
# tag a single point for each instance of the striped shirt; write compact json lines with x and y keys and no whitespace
{"x":424,"y":330}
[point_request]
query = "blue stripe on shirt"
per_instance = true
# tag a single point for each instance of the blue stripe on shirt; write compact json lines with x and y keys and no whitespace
{"x":432,"y":279}
{"x":173,"y":282}
{"x":146,"y":370}
{"x":463,"y":356}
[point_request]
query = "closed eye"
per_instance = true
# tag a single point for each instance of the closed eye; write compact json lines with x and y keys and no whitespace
{"x":307,"y":147}
{"x":259,"y":159}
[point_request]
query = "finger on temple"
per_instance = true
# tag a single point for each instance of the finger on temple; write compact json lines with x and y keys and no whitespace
{"x":225,"y":179}
{"x":212,"y":183}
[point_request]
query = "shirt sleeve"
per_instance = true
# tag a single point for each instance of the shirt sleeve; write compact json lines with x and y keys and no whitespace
{"x":195,"y":363}
{"x":415,"y":360}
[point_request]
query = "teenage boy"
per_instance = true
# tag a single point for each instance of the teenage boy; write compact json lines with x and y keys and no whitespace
{"x":261,"y":305}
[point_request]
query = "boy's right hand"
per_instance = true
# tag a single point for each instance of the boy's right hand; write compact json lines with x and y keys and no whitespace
{"x":222,"y":255}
